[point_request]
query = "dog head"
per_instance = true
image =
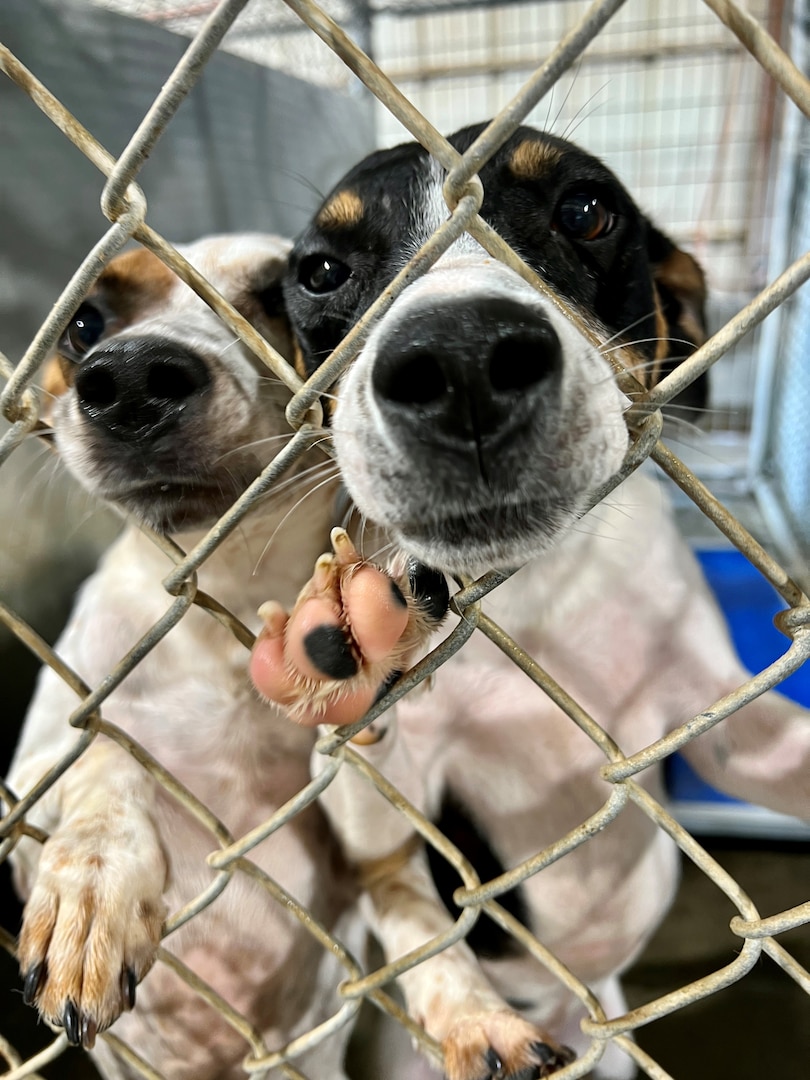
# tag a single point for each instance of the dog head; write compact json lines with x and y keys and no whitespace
{"x":157,"y":406}
{"x":477,"y":420}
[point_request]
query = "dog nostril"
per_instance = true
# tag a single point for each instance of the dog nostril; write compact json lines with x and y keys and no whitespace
{"x":521,"y":361}
{"x":417,"y":380}
{"x":97,"y":387}
{"x":171,"y":382}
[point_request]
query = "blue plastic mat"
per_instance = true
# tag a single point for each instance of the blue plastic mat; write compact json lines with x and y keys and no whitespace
{"x":749,"y":604}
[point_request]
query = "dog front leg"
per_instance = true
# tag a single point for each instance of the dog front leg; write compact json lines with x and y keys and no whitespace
{"x":448,"y":994}
{"x":481,"y":1037}
{"x":94,"y":912}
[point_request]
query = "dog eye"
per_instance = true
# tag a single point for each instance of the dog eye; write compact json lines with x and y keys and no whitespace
{"x":583,"y":216}
{"x":322,"y":274}
{"x":84,"y":329}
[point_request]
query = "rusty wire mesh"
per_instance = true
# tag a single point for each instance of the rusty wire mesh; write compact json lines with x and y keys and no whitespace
{"x":124,"y":206}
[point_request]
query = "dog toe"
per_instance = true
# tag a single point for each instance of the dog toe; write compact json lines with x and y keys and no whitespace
{"x":90,"y":931}
{"x":501,"y":1046}
{"x":550,"y":1058}
{"x":347,"y":637}
{"x":32,"y":982}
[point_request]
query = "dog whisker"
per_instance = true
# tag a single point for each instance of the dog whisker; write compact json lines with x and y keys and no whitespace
{"x":305,"y":182}
{"x":235,"y":341}
{"x":383,"y":552}
{"x":648,"y":341}
{"x":327,"y":480}
{"x":568,"y":92}
{"x":546,"y":123}
{"x":299,"y":479}
{"x":626,"y":329}
{"x":284,"y":437}
{"x":43,"y":435}
{"x":580,"y":116}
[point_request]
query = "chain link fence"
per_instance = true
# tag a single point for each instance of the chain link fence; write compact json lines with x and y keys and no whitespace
{"x":124,"y":206}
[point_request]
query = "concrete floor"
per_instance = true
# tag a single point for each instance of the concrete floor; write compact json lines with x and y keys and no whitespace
{"x":757,"y":1029}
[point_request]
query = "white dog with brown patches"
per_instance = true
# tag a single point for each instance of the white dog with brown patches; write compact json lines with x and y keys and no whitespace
{"x":163,"y":412}
{"x":475,"y":426}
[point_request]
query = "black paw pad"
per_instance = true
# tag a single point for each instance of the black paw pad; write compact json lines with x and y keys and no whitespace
{"x":330,"y":652}
{"x":429,"y":589}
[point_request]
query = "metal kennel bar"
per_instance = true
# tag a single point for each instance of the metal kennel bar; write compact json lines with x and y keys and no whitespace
{"x":124,"y":206}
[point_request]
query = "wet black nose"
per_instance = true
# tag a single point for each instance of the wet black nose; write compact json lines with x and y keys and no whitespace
{"x":467,"y":370}
{"x":141,"y":387}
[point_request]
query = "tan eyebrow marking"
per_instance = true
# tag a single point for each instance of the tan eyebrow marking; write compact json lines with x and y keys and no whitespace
{"x":343,"y":209}
{"x":134,"y":282}
{"x":533,"y":158}
{"x":298,"y":360}
{"x":131,"y":284}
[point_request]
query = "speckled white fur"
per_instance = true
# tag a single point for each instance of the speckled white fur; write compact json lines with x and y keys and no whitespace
{"x":123,"y":853}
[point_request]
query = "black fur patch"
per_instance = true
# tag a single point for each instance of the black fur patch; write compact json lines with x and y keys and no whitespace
{"x":610,"y":276}
{"x":486,"y":938}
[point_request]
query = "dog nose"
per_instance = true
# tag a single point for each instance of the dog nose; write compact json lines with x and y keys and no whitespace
{"x":466,"y":370}
{"x":140,"y":387}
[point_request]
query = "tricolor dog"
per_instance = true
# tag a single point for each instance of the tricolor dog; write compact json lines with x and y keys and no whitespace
{"x":473,"y":428}
{"x":163,"y":412}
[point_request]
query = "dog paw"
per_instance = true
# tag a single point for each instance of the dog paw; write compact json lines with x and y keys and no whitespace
{"x":90,"y":931}
{"x":501,"y":1046}
{"x":349,"y":636}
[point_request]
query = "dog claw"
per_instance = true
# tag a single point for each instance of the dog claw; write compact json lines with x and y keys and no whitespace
{"x":129,"y":983}
{"x":89,"y":1031}
{"x":70,"y":1022}
{"x":32,"y":982}
{"x":494,"y":1064}
{"x":503,"y":1043}
{"x":550,"y":1059}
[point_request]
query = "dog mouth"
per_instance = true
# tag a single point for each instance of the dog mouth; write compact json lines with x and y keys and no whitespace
{"x":498,"y":536}
{"x":179,"y":504}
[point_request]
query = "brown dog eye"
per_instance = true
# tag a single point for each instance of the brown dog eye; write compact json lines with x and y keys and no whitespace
{"x":583,"y":216}
{"x":322,"y":274}
{"x":84,"y":329}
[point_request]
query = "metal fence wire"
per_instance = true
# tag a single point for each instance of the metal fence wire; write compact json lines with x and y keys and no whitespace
{"x":124,"y":206}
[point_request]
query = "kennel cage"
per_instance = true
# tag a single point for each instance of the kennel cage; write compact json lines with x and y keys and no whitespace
{"x":695,"y":128}
{"x":730,"y":98}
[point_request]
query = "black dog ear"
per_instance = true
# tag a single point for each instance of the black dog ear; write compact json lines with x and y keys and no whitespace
{"x":272,"y":300}
{"x":267,"y":300}
{"x":680,"y":291}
